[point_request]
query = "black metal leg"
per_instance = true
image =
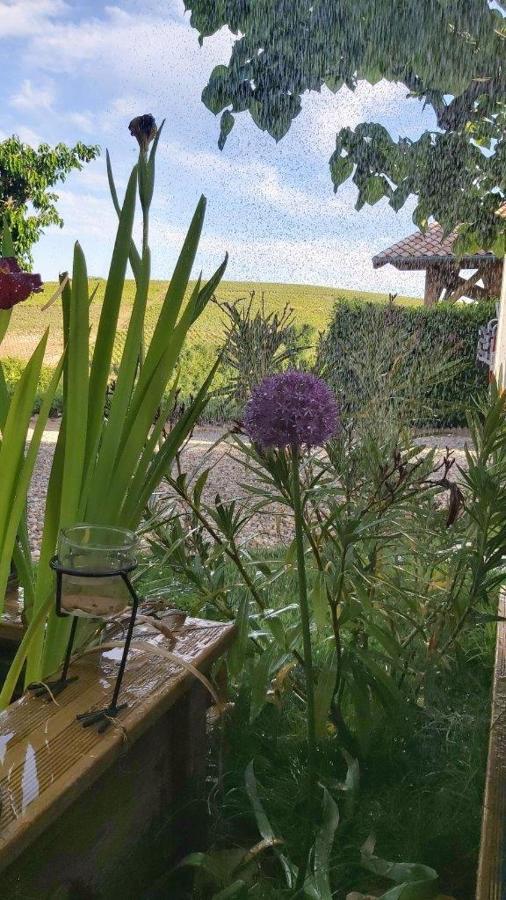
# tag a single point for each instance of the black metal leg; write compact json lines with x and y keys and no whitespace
{"x":128,"y":641}
{"x":70,"y":645}
{"x":104,"y":716}
{"x":53,"y":688}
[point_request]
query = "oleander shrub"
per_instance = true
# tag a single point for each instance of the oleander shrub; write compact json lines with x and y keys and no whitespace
{"x":416,"y":365}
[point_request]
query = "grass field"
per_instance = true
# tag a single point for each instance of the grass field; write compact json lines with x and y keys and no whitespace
{"x":312,"y":305}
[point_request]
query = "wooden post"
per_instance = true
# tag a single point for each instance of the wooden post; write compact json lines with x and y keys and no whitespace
{"x":500,"y":345}
{"x":432,"y":285}
{"x":492,"y":277}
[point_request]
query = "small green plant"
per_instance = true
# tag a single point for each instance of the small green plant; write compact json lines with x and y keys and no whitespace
{"x":258,"y":343}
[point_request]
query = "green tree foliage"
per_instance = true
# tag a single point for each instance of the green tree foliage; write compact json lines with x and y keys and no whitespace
{"x":448,"y":53}
{"x":27,"y":176}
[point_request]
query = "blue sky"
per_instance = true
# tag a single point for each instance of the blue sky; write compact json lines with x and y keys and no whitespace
{"x":81,"y":69}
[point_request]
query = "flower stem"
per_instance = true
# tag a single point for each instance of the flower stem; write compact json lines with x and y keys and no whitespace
{"x":304,"y":609}
{"x":143,"y":161}
{"x":304,"y":613}
{"x":308,"y":662}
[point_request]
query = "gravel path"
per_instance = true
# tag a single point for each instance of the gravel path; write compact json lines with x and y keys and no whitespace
{"x":225,"y":479}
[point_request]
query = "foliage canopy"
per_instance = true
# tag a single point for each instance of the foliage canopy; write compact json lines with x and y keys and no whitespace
{"x":27,"y":176}
{"x":448,"y":53}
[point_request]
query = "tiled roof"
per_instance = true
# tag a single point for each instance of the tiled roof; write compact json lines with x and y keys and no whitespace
{"x":417,"y":250}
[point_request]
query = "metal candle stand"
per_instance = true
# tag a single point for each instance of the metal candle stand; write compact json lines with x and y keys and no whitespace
{"x":102,"y":716}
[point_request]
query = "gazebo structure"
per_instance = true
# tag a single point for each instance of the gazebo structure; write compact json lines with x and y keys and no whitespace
{"x":433,"y":252}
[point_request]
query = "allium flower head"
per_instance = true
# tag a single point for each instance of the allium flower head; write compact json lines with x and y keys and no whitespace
{"x":291,"y":409}
{"x":16,"y":285}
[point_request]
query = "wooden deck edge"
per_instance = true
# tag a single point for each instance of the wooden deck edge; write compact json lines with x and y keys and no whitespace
{"x":491,"y":880}
{"x":114,"y":744}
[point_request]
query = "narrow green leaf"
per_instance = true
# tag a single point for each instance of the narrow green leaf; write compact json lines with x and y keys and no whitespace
{"x":148,"y":455}
{"x":108,"y":322}
{"x":319,"y":601}
{"x":5,"y":317}
{"x":23,"y":480}
{"x":172,"y":302}
{"x":324,"y":692}
{"x":260,"y":681}
{"x":323,"y":846}
{"x":14,"y":432}
{"x":34,"y":630}
{"x":167,"y":452}
{"x":76,"y":398}
{"x":237,"y":652}
{"x":263,"y":824}
{"x":4,"y":399}
{"x":134,"y":256}
{"x":110,"y":443}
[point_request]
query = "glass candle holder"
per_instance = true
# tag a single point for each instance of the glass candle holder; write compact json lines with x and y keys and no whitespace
{"x":93,"y":560}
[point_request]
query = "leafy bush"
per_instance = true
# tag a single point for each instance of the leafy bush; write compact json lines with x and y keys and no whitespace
{"x":419,"y":361}
{"x":258,"y":343}
{"x":403,"y":565}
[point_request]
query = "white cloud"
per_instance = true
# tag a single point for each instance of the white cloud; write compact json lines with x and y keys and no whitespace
{"x":292,"y":257}
{"x":328,"y":260}
{"x":106,"y":119}
{"x":32,"y":97}
{"x":85,"y":121}
{"x":25,"y":134}
{"x":324,"y":114}
{"x":87,"y":215}
{"x":25,"y":18}
{"x":256,"y":180}
{"x":140,"y":49}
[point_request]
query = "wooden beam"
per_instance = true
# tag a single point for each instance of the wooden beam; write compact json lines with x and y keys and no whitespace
{"x":465,"y":286}
{"x":500,"y":346}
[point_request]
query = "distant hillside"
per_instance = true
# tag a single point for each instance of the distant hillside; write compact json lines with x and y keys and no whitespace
{"x":312,"y":305}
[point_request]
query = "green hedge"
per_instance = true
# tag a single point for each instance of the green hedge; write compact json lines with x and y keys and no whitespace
{"x":196,"y":361}
{"x":409,"y":342}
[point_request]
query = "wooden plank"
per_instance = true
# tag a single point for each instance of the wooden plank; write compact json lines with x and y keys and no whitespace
{"x":47,"y":759}
{"x":133,"y":825}
{"x":491,"y":883}
{"x":11,"y":623}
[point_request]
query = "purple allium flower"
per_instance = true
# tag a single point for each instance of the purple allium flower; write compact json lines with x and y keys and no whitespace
{"x":291,"y":409}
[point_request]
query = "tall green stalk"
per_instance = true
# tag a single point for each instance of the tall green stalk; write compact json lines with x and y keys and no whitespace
{"x":304,"y":612}
{"x":312,"y":772}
